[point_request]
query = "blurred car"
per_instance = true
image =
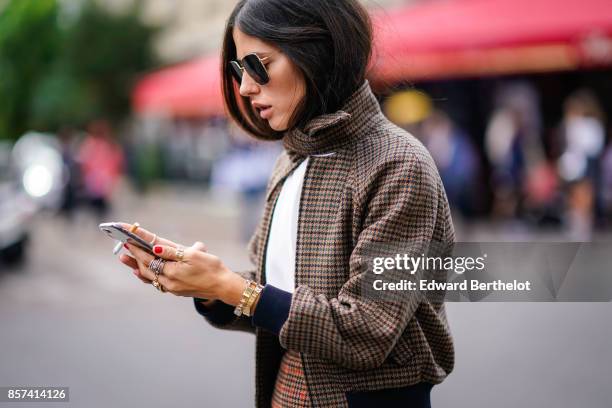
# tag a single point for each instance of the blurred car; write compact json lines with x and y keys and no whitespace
{"x":16,"y":210}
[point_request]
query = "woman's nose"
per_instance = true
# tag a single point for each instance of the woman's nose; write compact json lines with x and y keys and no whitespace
{"x":248,"y":86}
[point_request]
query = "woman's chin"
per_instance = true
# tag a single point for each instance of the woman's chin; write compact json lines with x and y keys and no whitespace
{"x":276,"y":126}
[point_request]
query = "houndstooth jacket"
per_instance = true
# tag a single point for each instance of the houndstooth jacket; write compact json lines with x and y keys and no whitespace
{"x":380,"y":185}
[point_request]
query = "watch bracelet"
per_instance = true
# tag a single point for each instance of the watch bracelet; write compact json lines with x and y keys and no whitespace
{"x":248,"y":309}
{"x":239,"y":310}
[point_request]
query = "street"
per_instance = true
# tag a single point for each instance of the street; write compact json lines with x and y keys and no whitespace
{"x":74,"y":316}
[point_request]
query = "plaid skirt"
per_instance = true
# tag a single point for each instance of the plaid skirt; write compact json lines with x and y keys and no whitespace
{"x":290,"y":390}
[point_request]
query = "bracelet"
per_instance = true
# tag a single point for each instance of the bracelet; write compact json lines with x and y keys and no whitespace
{"x":251,"y":301}
{"x":246,"y":294}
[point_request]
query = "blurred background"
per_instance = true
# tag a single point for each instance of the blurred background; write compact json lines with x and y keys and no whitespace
{"x":112,"y":111}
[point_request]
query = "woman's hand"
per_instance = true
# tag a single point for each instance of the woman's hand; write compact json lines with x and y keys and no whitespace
{"x":133,"y":264}
{"x":198,"y":274}
{"x":148,"y":237}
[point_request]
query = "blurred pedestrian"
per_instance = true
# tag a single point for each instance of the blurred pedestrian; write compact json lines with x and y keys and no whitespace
{"x":456,"y":159}
{"x":606,"y":183}
{"x":513,"y":144}
{"x":72,"y":181}
{"x":228,"y":174}
{"x":101,"y":165}
{"x":583,"y":136}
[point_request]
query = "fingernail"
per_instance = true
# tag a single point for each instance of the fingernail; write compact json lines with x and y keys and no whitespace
{"x":125,"y":246}
{"x":157,"y":249}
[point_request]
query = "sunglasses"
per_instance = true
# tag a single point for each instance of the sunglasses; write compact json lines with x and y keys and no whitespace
{"x":253,"y":65}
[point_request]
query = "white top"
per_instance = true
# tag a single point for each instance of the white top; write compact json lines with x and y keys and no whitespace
{"x":280,"y":252}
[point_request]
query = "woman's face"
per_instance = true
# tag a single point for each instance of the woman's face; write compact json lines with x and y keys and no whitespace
{"x":282,"y":93}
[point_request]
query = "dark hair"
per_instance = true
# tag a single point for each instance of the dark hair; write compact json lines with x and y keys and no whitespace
{"x":329,"y":41}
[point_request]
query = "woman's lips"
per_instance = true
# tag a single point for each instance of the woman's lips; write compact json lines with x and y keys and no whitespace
{"x":266,"y":112}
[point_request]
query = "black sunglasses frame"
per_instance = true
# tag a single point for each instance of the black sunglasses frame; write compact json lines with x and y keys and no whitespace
{"x":255,"y":67}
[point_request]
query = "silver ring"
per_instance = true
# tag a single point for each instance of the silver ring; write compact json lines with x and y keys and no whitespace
{"x":153,"y":240}
{"x":157,"y":266}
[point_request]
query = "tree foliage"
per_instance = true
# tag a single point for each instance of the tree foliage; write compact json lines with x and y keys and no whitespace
{"x":54,"y":73}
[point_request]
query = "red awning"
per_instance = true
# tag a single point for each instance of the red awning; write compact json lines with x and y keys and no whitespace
{"x":191,"y":89}
{"x":430,"y":40}
{"x":449,"y":39}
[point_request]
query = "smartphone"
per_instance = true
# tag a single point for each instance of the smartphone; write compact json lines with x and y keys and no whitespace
{"x":115,"y":231}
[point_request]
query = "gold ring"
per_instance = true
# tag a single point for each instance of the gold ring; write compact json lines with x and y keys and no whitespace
{"x":180,"y":253}
{"x":158,"y":285}
{"x":153,"y":240}
{"x":134,"y":227}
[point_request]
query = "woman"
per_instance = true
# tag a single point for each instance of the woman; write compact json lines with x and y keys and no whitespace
{"x":347,"y":183}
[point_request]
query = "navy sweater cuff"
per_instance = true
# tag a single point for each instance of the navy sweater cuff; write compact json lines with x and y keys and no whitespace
{"x":272,"y":309}
{"x":219,"y":313}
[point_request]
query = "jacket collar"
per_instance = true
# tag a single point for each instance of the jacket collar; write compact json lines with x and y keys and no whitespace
{"x":326,"y":133}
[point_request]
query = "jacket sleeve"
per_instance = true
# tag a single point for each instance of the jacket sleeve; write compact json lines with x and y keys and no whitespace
{"x":354,"y":330}
{"x":221,"y":315}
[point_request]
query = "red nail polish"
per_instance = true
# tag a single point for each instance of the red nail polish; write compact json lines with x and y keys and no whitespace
{"x":125,"y":246}
{"x":157,"y":249}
